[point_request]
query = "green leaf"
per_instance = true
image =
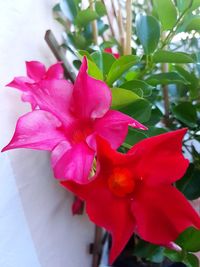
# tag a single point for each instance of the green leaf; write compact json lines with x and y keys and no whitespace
{"x":94,"y":71}
{"x":189,"y":185}
{"x":139,"y":110}
{"x":120,"y":66}
{"x":194,"y":24}
{"x":134,"y":85}
{"x":69,"y":8}
{"x":100,"y":8}
{"x":85,"y":16}
{"x":173,"y":255}
{"x":162,"y":56}
{"x":134,"y":136}
{"x":167,"y":13}
{"x":156,"y":116}
{"x":188,"y":258}
{"x":85,"y":53}
{"x":148,"y":32}
{"x":166,"y":78}
{"x":186,"y":113}
{"x":153,"y":131}
{"x":189,"y":240}
{"x":192,"y":79}
{"x":183,"y":4}
{"x":103,"y":60}
{"x":191,"y":260}
{"x":149,"y":251}
{"x":122,"y":98}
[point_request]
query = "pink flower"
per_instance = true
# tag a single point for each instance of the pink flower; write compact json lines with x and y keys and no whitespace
{"x":67,"y":121}
{"x":36,"y":72}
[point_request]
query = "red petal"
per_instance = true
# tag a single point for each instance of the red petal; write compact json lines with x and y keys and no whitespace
{"x":160,"y":158}
{"x":92,"y":98}
{"x":162,"y":213}
{"x":107,"y":211}
{"x":36,"y":130}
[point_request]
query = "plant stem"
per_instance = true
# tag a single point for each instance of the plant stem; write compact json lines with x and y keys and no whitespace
{"x":121,"y":29}
{"x":109,"y":19}
{"x":128,"y":27}
{"x":94,"y":25}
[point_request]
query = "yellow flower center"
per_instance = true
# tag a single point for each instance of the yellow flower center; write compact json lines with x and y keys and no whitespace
{"x":121,"y":182}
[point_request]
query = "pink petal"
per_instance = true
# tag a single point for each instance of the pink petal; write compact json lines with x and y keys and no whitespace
{"x":21,"y":83}
{"x":75,"y":164}
{"x":54,"y":96}
{"x":35,"y":70}
{"x":161,"y":160}
{"x":91,"y":97}
{"x":36,"y":130}
{"x":162,"y":213}
{"x":55,"y":72}
{"x":114,"y":127}
{"x":107,"y":211}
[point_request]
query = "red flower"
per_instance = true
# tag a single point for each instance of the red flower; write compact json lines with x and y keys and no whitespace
{"x":133,"y":192}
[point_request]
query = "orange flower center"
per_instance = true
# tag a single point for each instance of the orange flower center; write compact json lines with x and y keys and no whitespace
{"x":121,"y":182}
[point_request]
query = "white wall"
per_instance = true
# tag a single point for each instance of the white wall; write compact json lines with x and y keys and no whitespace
{"x":36,"y":225}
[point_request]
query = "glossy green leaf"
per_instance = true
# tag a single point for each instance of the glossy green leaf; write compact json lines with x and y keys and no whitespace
{"x":163,"y":56}
{"x":173,"y":255}
{"x":85,"y":16}
{"x":139,"y":110}
{"x":103,"y":60}
{"x":100,"y":8}
{"x":189,"y":185}
{"x":148,"y":32}
{"x":134,"y":85}
{"x":186,"y":113}
{"x":192,"y":79}
{"x":166,"y":78}
{"x":156,"y":116}
{"x":120,"y":66}
{"x":189,"y":240}
{"x":94,"y":71}
{"x":122,"y":98}
{"x":167,"y":13}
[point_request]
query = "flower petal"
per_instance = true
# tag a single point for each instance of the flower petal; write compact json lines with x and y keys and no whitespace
{"x":20,"y":83}
{"x":36,"y":130}
{"x":75,"y":164}
{"x":35,"y":70}
{"x":91,"y":97}
{"x":107,"y":211}
{"x":162,"y":213}
{"x":161,"y":158}
{"x":54,"y":96}
{"x":55,"y":72}
{"x":114,"y":127}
